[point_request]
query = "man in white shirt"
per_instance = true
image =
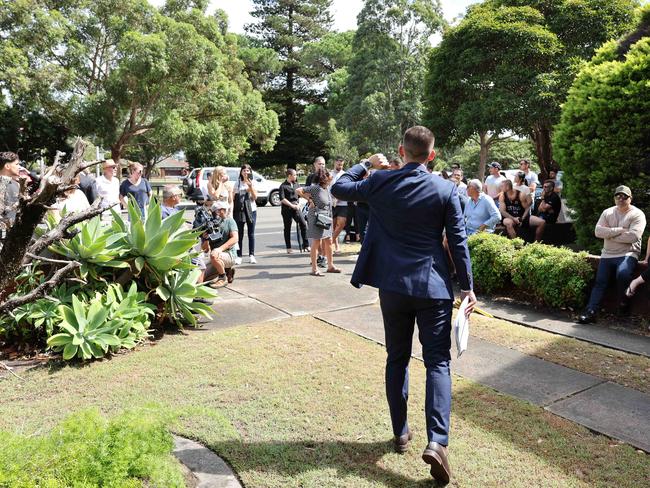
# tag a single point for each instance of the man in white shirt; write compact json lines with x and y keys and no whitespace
{"x":531,"y":178}
{"x":107,"y":185}
{"x":492,"y":185}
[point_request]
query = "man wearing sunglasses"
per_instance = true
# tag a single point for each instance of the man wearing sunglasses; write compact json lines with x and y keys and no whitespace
{"x":621,"y":227}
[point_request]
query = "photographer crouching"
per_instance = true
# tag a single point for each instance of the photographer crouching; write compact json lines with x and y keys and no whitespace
{"x":219,"y":239}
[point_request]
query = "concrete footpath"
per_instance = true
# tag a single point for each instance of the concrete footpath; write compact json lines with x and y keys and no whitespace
{"x":280,"y":286}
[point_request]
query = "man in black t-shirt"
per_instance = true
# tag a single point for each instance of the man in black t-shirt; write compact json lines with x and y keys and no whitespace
{"x":546,"y":210}
{"x":291,"y":212}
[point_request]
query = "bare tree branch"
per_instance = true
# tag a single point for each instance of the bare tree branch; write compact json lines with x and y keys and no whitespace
{"x":61,"y":230}
{"x":40,"y":290}
{"x":46,"y":260}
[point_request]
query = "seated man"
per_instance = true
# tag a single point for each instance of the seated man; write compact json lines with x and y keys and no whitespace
{"x":621,"y":227}
{"x":171,"y":198}
{"x":513,"y":206}
{"x":546,"y":210}
{"x":220,"y":239}
{"x":481,"y":213}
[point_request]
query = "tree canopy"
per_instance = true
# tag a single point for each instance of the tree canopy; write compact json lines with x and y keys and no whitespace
{"x":131,"y":76}
{"x":290,"y":82}
{"x":509,"y":63}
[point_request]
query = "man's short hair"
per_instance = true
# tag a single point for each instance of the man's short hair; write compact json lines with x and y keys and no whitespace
{"x":290,"y":171}
{"x":418,"y":141}
{"x":319,"y":160}
{"x":7,"y":157}
{"x":476,"y":183}
{"x":170,"y":191}
{"x":339,"y":158}
{"x":524,"y":161}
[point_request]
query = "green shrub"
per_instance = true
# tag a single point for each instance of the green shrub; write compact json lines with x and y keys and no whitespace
{"x":603,"y":139}
{"x":558,"y":277}
{"x":492,"y":257}
{"x":87,"y":450}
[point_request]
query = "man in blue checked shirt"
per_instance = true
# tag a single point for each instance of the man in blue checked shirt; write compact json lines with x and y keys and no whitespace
{"x":481,"y":214}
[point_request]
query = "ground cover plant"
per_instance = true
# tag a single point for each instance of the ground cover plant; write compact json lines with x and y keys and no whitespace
{"x":132,"y":449}
{"x":298,"y":403}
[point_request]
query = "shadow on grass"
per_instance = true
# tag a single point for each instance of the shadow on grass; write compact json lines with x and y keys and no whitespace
{"x":292,"y":459}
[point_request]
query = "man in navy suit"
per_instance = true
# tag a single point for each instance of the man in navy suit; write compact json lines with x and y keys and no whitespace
{"x":403,"y":256}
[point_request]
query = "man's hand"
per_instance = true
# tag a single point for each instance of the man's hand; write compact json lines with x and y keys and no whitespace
{"x":471,"y":303}
{"x":378,"y":161}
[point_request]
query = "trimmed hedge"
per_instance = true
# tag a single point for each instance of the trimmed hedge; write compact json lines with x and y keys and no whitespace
{"x":492,"y":259}
{"x":557,"y":277}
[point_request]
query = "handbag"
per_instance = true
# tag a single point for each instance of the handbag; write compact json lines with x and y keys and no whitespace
{"x":323,"y":220}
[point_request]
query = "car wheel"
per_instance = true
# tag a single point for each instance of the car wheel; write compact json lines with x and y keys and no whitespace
{"x":261,"y":202}
{"x":275,"y":198}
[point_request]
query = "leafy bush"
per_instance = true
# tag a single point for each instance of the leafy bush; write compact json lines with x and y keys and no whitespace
{"x":104,"y":322}
{"x":603,"y":139}
{"x":492,"y":258}
{"x":87,"y":450}
{"x":558,"y":277}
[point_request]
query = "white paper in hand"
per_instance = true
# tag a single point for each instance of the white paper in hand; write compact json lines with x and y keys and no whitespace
{"x":461,"y":328}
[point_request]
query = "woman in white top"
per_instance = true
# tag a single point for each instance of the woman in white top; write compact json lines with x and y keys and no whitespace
{"x":219,"y":189}
{"x":245,"y":210}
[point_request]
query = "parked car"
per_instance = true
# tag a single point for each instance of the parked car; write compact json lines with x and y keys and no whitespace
{"x":195,"y":185}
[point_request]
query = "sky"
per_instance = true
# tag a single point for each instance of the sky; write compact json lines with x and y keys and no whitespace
{"x":344,"y":11}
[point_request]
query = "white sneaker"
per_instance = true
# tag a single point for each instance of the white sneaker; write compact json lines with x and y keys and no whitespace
{"x":237,"y":261}
{"x":252,"y":259}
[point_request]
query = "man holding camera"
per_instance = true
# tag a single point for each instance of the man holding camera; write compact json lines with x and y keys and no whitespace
{"x":220,"y":240}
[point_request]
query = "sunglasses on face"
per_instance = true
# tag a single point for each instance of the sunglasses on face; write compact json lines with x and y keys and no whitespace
{"x":620,"y":196}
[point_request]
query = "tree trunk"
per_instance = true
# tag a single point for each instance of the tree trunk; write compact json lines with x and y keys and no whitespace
{"x":483,"y":154}
{"x":116,"y":154}
{"x":541,"y":135}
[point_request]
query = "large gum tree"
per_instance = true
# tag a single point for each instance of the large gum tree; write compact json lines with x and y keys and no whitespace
{"x":127,"y":74}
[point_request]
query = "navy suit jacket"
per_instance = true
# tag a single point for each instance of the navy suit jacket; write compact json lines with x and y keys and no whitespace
{"x":402,"y":251}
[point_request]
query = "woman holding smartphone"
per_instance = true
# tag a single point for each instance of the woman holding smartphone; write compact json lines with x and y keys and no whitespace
{"x":245,"y":210}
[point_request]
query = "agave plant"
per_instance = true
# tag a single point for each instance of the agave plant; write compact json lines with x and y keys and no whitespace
{"x":111,"y":321}
{"x":95,"y":246}
{"x":179,"y":291}
{"x":155,"y":245}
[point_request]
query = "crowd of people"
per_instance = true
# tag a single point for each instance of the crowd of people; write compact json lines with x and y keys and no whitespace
{"x":411,"y":244}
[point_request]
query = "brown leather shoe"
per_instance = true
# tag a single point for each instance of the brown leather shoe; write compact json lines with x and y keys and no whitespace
{"x":401,"y":442}
{"x":436,"y":456}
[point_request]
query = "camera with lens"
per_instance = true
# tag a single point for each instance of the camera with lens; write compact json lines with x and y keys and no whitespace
{"x":207,"y":221}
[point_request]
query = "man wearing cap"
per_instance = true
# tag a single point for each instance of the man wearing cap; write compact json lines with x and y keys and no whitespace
{"x":107,"y":186}
{"x":224,"y":249}
{"x":493,"y":182}
{"x":621,"y":227}
{"x":171,"y":197}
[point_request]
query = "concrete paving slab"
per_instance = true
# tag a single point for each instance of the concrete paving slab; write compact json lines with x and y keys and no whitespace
{"x":210,"y":470}
{"x":519,"y":375}
{"x":557,"y":324}
{"x":503,"y":369}
{"x":240,"y":311}
{"x":285,"y":281}
{"x":612,"y":409}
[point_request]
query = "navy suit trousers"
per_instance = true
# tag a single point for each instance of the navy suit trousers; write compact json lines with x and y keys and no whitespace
{"x":434,"y":325}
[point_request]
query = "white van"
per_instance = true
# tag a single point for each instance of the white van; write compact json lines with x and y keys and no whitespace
{"x":195,"y":185}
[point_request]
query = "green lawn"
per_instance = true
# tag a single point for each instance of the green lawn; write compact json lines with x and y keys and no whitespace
{"x":300,"y":403}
